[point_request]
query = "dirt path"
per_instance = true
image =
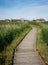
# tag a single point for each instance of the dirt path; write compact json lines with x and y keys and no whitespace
{"x":26,"y":54}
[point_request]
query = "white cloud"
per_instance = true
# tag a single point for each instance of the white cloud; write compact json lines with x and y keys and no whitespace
{"x":30,"y":12}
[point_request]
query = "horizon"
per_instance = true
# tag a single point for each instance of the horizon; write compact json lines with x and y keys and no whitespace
{"x":26,"y":9}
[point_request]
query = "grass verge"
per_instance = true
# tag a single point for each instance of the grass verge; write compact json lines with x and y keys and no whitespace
{"x":42,"y":46}
{"x":10,"y":49}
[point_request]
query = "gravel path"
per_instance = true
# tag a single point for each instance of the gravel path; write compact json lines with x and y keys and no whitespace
{"x":25,"y":53}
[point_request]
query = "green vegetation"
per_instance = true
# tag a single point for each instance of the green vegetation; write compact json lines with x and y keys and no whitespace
{"x":42,"y":41}
{"x":45,"y":35}
{"x":11,"y":33}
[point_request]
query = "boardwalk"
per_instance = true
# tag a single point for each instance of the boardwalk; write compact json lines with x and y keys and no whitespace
{"x":26,"y":54}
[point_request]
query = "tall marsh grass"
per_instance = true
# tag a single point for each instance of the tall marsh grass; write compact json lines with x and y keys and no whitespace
{"x":42,"y":41}
{"x":9,"y":32}
{"x":45,"y":35}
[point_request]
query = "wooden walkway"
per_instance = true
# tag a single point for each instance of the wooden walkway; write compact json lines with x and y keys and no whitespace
{"x":25,"y":53}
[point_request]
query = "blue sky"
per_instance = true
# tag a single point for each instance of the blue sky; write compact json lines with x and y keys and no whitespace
{"x":27,"y":9}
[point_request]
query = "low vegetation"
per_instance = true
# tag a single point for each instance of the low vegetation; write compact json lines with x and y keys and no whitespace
{"x":10,"y":35}
{"x":45,"y":35}
{"x":42,"y":41}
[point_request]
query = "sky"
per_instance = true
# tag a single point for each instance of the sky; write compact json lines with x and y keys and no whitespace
{"x":26,"y":9}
